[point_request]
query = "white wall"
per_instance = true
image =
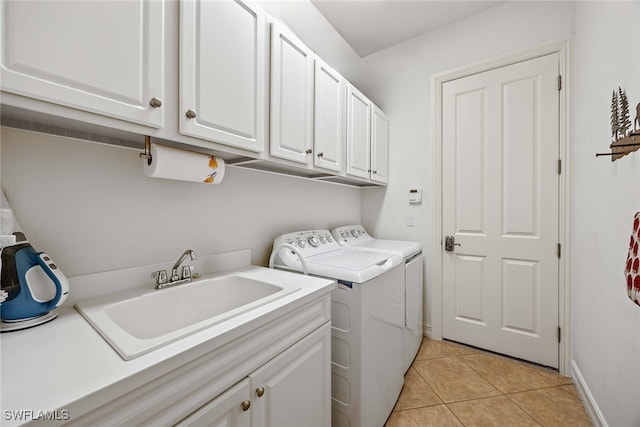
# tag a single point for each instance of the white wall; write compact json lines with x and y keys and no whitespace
{"x":606,"y":324}
{"x":92,"y":209}
{"x":402,"y":86}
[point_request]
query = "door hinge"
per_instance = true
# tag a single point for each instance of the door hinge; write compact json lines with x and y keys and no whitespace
{"x":559,"y":167}
{"x":559,"y":334}
{"x":559,"y":250}
{"x":559,"y":82}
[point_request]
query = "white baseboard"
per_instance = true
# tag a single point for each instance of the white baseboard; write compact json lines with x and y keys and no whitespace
{"x":597,"y":418}
{"x":426,"y":330}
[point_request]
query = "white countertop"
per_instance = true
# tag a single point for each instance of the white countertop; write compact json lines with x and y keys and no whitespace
{"x":66,"y":365}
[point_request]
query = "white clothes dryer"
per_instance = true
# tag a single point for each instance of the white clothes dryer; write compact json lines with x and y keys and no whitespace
{"x":357,"y":236}
{"x":367,"y":318}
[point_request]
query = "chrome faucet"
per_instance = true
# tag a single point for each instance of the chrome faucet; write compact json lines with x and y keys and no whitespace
{"x":175,"y":279}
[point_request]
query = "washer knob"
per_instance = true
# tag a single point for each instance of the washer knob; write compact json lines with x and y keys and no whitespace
{"x":354,"y":233}
{"x":329,"y":239}
{"x":313,"y":241}
{"x":301,"y":243}
{"x":323,"y":240}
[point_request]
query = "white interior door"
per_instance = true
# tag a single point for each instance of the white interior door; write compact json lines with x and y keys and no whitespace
{"x":500,"y":183}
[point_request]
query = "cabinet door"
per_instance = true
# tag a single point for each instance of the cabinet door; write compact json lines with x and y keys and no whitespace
{"x":104,"y":57}
{"x":291,"y":96}
{"x":358,"y":133}
{"x":294,"y":389}
{"x":223,"y":71}
{"x":379,"y":145}
{"x":225,"y":410}
{"x":329,"y":130}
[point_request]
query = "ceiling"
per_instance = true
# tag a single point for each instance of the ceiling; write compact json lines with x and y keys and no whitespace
{"x":369,"y":26}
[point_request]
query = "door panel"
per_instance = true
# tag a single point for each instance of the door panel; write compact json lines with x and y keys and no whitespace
{"x":292,"y":68}
{"x":358,"y":133}
{"x":59,"y":52}
{"x":329,"y":130}
{"x":379,"y":145}
{"x":223,"y":69}
{"x":500,"y":202}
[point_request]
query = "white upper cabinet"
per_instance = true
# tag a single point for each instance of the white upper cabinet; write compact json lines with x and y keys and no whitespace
{"x":329,"y":118}
{"x":104,"y":57}
{"x":223,"y":72}
{"x":358,"y":133}
{"x":291,"y":97}
{"x":379,"y":145}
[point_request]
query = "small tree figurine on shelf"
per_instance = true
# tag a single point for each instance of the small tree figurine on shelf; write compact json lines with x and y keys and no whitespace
{"x":624,"y":120}
{"x":615,"y":123}
{"x":624,"y":140}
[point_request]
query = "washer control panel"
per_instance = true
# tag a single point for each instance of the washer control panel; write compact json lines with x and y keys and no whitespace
{"x":310,"y":242}
{"x":350,"y":233}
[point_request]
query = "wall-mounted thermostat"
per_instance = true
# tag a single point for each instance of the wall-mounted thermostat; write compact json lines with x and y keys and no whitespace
{"x":415,"y":195}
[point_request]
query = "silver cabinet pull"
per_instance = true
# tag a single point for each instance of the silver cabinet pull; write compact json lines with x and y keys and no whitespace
{"x":309,"y":151}
{"x":321,"y":154}
{"x":155,"y":102}
{"x":260,"y":391}
{"x":245,"y":405}
{"x":191,"y":114}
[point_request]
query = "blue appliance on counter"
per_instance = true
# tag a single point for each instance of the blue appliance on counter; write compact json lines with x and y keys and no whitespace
{"x":32,"y":286}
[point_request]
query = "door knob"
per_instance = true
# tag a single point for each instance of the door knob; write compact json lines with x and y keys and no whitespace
{"x":191,"y":114}
{"x":260,"y":391}
{"x":155,"y":102}
{"x":245,"y":405}
{"x":449,"y":243}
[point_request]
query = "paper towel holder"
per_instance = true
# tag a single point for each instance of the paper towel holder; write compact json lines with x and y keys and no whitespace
{"x":147,"y":150}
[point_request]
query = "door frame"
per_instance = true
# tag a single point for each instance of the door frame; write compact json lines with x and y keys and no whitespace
{"x":563,"y":48}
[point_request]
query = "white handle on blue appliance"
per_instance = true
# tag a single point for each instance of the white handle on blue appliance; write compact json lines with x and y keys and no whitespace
{"x":60,"y":281}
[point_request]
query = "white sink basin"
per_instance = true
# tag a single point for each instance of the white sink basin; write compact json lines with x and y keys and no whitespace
{"x":140,"y":321}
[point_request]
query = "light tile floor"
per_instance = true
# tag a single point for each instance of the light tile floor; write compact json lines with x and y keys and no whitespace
{"x":452,"y":385}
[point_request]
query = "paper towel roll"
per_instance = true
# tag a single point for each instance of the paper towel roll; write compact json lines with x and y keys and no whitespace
{"x":183,"y":165}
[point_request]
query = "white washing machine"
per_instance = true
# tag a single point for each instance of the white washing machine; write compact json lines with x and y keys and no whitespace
{"x":357,"y":236}
{"x":367,"y":319}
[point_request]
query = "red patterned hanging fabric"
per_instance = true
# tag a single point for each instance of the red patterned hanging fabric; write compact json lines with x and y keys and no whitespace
{"x":633,"y":261}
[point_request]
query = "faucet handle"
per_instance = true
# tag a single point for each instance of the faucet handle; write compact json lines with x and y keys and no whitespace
{"x":187,"y":271}
{"x":160,"y":277}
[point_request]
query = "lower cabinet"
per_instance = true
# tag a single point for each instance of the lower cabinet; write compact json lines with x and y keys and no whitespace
{"x":293,"y":389}
{"x":230,"y":409}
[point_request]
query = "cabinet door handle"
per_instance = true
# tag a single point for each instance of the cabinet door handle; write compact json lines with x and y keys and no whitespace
{"x":260,"y":391}
{"x":245,"y":405}
{"x":375,"y":172}
{"x":191,"y":114}
{"x":321,"y":154}
{"x":155,"y":102}
{"x":309,"y":151}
